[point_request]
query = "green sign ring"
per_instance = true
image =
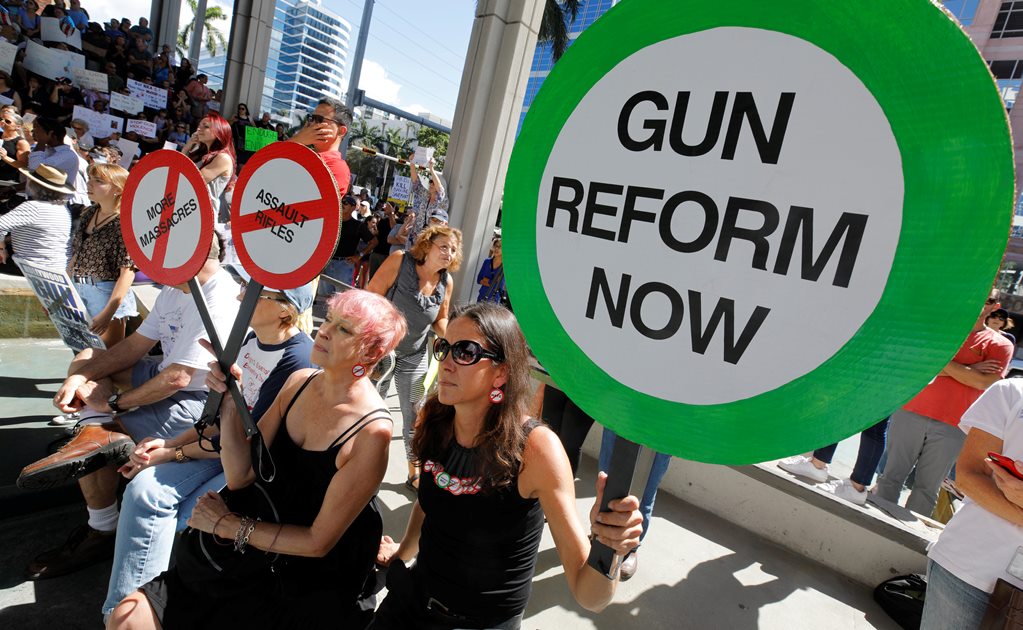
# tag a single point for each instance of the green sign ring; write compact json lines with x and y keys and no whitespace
{"x":951,"y":131}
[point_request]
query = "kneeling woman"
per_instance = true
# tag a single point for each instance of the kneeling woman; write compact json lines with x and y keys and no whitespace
{"x":490,"y":474}
{"x":328,"y":432}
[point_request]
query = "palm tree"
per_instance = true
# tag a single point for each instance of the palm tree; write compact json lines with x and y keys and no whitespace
{"x":554,"y":25}
{"x":214,"y":39}
{"x":370,"y":136}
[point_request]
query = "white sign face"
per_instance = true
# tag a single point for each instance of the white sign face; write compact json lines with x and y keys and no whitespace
{"x":125,"y":103}
{"x":63,"y":304}
{"x":50,"y":62}
{"x":155,"y":213}
{"x":151,"y":95}
{"x":401,"y":188}
{"x":280,"y":191}
{"x":144,"y":128}
{"x":50,"y":32}
{"x":422,"y":156}
{"x":90,"y":80}
{"x":710,"y":231}
{"x":8,"y":52}
{"x":100,"y":125}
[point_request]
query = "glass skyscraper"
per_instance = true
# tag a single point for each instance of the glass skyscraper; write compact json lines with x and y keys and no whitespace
{"x":543,"y":60}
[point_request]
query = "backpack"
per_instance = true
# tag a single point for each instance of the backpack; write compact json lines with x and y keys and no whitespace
{"x":902,"y":598}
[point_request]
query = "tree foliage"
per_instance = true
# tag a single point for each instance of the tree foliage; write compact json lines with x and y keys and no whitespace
{"x":554,"y":24}
{"x":212,"y":36}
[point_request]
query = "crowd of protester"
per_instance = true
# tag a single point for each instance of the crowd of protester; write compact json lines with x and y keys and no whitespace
{"x":480,"y":509}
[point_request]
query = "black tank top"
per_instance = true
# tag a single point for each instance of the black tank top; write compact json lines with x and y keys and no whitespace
{"x":298,"y":490}
{"x":7,"y":172}
{"x":477,"y":550}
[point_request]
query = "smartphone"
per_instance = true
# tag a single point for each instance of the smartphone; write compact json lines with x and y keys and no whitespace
{"x":1005,"y":462}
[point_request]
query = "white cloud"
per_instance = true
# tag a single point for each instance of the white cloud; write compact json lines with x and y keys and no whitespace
{"x":377,"y":85}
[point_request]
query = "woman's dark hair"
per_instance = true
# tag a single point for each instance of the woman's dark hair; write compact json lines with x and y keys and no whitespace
{"x":503,"y":437}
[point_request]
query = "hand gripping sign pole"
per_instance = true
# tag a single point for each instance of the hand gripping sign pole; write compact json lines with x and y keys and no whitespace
{"x":168,"y":230}
{"x":674,"y":310}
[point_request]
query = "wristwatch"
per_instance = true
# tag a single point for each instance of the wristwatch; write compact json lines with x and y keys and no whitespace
{"x":112,"y":402}
{"x":179,"y":455}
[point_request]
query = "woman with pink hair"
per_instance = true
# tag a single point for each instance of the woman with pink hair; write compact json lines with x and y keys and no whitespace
{"x":328,"y":432}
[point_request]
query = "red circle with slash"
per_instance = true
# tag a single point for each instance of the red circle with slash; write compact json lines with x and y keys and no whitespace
{"x":167,"y":217}
{"x":285,"y":215}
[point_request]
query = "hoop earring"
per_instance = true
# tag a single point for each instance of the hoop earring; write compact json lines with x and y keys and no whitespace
{"x":358,"y":370}
{"x":496,"y":395}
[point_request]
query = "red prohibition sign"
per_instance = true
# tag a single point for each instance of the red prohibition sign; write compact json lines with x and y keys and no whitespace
{"x":145,"y":191}
{"x":282,"y":243}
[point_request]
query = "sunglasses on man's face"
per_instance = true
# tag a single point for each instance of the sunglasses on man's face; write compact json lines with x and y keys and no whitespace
{"x":316,"y":119}
{"x":464,"y":352}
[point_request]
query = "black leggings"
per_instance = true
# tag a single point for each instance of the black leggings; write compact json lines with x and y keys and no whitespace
{"x":568,"y":421}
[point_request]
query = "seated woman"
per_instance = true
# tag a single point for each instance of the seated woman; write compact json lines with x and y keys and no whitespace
{"x":328,"y":432}
{"x":490,"y":474}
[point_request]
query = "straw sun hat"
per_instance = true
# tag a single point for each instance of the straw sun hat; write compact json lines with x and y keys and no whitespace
{"x":49,"y":177}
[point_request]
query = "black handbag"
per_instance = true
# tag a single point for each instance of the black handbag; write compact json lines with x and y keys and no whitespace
{"x":902,"y":598}
{"x":210,"y":565}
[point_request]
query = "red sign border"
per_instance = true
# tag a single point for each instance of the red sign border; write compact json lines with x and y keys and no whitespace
{"x":327,"y":187}
{"x":184,"y":166}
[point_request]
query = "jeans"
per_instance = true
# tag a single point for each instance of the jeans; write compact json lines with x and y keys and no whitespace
{"x":96,"y":295}
{"x":567,"y":420}
{"x":338,"y":269}
{"x":657,"y":470}
{"x":871,"y":448}
{"x":950,"y":603}
{"x":157,"y":503}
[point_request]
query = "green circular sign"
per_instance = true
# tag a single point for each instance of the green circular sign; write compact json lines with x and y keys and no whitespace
{"x":739,"y":231}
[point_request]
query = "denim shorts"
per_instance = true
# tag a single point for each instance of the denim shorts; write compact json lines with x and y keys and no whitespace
{"x":97,"y":295}
{"x":165,"y":418}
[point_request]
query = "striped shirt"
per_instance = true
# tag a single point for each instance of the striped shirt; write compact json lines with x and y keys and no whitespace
{"x":40,"y":233}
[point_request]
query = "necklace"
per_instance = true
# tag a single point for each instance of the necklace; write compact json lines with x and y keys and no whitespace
{"x":97,"y":224}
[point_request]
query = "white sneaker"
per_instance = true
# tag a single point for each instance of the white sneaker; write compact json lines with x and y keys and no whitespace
{"x":64,"y":419}
{"x":802,"y":466}
{"x":845,"y":490}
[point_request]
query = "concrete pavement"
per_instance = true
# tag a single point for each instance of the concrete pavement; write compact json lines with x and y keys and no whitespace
{"x":696,"y":570}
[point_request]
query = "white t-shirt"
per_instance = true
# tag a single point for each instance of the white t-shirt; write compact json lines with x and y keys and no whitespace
{"x":175,"y":323}
{"x":977,"y":545}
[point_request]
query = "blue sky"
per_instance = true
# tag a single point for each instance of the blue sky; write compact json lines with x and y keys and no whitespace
{"x":414,"y":55}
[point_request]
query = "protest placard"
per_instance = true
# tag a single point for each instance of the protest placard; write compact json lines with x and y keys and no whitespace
{"x":50,"y":31}
{"x":172,"y":146}
{"x":125,"y":103}
{"x":50,"y":62}
{"x":682,"y":191}
{"x":423,"y":156}
{"x":100,"y":125}
{"x":129,"y":150}
{"x":63,"y":304}
{"x":401,"y":189}
{"x":152,"y":96}
{"x":8,"y":52}
{"x":256,"y":138}
{"x":90,"y":80}
{"x":144,"y":128}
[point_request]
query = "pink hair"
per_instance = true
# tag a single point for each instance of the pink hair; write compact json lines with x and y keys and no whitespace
{"x":378,"y":324}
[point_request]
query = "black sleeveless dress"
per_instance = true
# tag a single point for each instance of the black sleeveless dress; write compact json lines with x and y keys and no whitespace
{"x":477,"y":551}
{"x":299,"y":592}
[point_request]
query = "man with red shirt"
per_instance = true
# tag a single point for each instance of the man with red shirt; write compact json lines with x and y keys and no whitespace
{"x":322,"y":132}
{"x":925,"y":432}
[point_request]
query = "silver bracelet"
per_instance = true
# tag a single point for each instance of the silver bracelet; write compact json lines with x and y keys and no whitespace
{"x":241,"y":540}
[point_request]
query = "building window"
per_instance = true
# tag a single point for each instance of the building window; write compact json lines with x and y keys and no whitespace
{"x":1009,"y":76}
{"x":1009,"y":22}
{"x":964,"y":10}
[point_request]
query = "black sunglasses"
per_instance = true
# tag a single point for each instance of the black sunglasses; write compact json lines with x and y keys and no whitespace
{"x":990,"y":300}
{"x":464,"y":352}
{"x":316,"y":119}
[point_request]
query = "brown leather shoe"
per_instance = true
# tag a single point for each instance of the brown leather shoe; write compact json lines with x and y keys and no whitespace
{"x":94,"y":446}
{"x":628,"y":568}
{"x":85,"y":546}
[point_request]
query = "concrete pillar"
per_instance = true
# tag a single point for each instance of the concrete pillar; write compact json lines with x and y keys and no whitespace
{"x":247,"y":50}
{"x":486,"y":118}
{"x":163,"y":19}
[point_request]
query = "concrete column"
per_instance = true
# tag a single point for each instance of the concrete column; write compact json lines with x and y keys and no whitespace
{"x":163,"y":19}
{"x":490,"y":99}
{"x":247,"y":50}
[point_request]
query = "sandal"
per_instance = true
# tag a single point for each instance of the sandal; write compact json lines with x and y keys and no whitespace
{"x":411,"y":484}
